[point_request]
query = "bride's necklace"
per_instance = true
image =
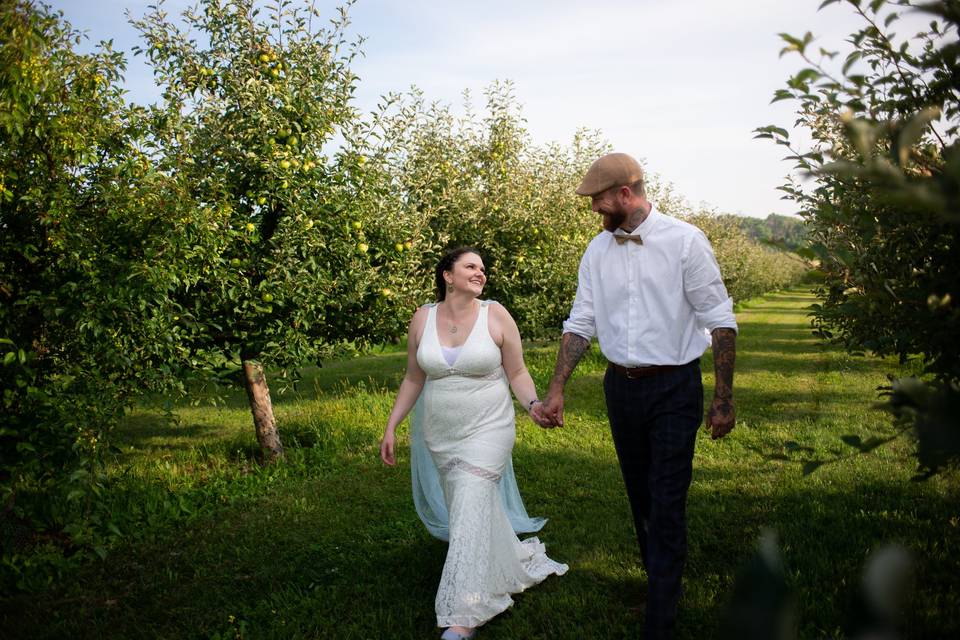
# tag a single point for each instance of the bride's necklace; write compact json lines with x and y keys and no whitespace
{"x":452,"y":328}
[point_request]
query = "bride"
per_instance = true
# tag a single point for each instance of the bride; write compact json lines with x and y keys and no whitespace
{"x":461,"y":354}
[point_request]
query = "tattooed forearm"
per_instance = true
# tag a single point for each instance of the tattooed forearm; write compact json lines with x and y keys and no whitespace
{"x":572,"y":348}
{"x":724,"y":357}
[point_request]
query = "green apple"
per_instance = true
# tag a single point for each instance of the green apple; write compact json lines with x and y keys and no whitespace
{"x":235,"y":262}
{"x":357,"y":225}
{"x":251,"y":227}
{"x":362,"y":247}
{"x":267,"y":297}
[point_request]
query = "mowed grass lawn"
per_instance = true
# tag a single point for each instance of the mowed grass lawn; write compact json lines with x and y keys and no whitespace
{"x":328,"y":545}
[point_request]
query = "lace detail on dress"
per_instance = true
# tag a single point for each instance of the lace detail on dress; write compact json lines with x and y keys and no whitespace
{"x":480,"y":472}
{"x":486,"y":563}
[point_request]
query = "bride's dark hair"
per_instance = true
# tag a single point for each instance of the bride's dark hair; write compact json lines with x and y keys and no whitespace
{"x":446,"y":264}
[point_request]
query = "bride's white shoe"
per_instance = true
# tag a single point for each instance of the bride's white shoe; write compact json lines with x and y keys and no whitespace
{"x":450,"y":634}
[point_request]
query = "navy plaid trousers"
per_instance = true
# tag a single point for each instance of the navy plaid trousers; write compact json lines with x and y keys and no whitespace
{"x":654,"y":421}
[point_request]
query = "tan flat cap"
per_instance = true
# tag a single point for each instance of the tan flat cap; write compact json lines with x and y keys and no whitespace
{"x":611,"y":170}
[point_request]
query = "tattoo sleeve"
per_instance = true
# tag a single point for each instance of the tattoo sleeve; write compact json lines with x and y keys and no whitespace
{"x":724,"y":357}
{"x":572,"y":348}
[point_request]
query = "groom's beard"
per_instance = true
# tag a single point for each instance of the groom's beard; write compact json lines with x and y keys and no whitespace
{"x":613,"y":219}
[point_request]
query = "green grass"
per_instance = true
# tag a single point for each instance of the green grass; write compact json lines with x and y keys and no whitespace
{"x":327,"y":545}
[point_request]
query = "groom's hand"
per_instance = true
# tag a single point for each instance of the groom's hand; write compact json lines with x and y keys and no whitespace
{"x":540,"y":417}
{"x":551,"y":409}
{"x":721,"y":417}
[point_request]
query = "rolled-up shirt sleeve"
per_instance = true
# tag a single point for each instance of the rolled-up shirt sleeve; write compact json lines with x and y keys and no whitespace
{"x":703,"y":286}
{"x":582,"y":320}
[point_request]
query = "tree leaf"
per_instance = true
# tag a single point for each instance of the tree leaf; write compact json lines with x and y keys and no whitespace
{"x":808,"y":74}
{"x":913,"y":131}
{"x":781,"y":94}
{"x":851,"y":59}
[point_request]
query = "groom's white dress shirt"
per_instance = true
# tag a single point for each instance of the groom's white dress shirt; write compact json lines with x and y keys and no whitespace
{"x":653,"y":303}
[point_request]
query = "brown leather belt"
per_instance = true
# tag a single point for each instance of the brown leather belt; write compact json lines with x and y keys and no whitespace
{"x":644,"y":372}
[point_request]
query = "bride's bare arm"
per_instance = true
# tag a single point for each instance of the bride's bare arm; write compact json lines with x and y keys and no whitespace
{"x":409,"y":391}
{"x":511,"y":351}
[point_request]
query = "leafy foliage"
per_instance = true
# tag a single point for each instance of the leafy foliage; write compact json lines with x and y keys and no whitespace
{"x":285,"y":260}
{"x":285,"y":256}
{"x":81,"y":329}
{"x":480,"y":181}
{"x":884,"y":214}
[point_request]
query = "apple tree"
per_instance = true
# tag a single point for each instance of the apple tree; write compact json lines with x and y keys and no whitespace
{"x":478,"y":180}
{"x":289,"y":256}
{"x":82,"y":209}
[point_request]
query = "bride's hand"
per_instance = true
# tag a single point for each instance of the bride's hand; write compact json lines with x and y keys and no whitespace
{"x":386,"y":449}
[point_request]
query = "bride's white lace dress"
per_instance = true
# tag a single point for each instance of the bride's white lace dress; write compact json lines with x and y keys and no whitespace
{"x":468,"y":427}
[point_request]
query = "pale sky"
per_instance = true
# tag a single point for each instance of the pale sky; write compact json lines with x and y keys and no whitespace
{"x":678,"y":84}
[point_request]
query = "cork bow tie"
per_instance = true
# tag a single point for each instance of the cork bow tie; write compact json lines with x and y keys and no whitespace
{"x":622,"y":237}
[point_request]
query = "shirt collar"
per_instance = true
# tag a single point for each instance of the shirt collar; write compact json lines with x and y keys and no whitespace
{"x":649,"y":222}
{"x":644,"y":227}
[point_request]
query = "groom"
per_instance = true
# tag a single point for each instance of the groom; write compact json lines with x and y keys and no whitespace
{"x":649,"y":288}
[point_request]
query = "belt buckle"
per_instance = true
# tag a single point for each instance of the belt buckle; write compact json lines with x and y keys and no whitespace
{"x":633,"y":373}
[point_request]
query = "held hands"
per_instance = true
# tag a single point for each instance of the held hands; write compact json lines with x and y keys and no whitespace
{"x":721,"y":417}
{"x":549,"y":413}
{"x":387,"y":445}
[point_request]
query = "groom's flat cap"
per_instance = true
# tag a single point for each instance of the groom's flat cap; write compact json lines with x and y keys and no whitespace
{"x":611,"y":170}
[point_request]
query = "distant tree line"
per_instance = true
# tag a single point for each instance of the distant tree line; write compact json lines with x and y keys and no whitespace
{"x":775,"y":230}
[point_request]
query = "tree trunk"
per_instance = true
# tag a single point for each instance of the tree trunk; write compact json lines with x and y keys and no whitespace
{"x":259,"y":395}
